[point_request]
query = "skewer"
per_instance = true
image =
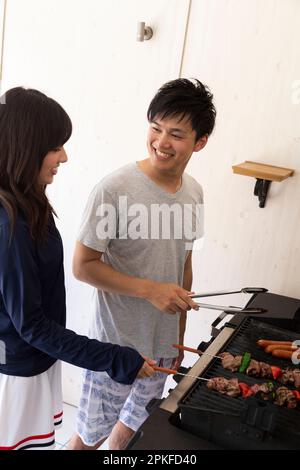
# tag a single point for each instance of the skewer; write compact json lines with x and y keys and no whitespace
{"x":197,"y":351}
{"x":174,"y":371}
{"x":239,"y":384}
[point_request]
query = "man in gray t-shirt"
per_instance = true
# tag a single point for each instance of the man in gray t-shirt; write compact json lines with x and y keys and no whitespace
{"x":134,"y":246}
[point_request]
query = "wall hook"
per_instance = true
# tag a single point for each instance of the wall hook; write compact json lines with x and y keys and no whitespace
{"x":144,"y":33}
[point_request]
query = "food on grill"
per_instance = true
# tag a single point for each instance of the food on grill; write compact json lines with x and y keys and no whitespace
{"x":226,"y":387}
{"x":230,"y":362}
{"x":245,"y":364}
{"x":255,"y":368}
{"x":276,"y":371}
{"x":281,"y":349}
{"x":296,"y":374}
{"x":282,"y":354}
{"x":245,"y":390}
{"x":246,"y":358}
{"x":263,"y":388}
{"x":263,"y":343}
{"x":266,"y":371}
{"x":288,"y":377}
{"x":281,"y":396}
{"x":285,"y":396}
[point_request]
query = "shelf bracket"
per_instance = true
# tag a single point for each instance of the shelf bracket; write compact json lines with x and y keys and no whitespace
{"x":261,"y":190}
{"x":264,"y":175}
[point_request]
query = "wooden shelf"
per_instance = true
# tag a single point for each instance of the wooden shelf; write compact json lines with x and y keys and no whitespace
{"x":264,"y":174}
{"x":262,"y":171}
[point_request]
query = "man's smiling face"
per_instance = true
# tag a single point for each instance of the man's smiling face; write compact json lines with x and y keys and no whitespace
{"x":171,"y":142}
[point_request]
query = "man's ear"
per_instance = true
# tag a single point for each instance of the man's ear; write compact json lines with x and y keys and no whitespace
{"x":200,"y":144}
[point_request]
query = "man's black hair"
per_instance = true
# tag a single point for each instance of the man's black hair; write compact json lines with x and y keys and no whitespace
{"x":188,"y":99}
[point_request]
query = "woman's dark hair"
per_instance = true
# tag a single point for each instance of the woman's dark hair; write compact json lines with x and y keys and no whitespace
{"x":187,"y":99}
{"x":31,"y":125}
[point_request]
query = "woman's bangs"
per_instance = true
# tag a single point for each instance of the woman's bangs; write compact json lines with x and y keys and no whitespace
{"x":58,"y":128}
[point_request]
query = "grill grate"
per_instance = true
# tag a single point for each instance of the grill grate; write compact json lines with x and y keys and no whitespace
{"x":218,"y":418}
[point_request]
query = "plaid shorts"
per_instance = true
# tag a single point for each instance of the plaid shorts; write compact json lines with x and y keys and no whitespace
{"x":103,"y":402}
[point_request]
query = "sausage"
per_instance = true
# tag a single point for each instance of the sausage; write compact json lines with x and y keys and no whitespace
{"x":282,"y":347}
{"x":282,"y":354}
{"x":263,"y":343}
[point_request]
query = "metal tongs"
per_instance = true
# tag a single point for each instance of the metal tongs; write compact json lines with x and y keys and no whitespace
{"x":230,"y":309}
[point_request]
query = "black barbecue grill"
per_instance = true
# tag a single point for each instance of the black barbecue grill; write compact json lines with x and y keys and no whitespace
{"x":194,"y":417}
{"x":239,"y":423}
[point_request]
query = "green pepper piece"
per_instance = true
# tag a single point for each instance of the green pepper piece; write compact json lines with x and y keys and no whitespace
{"x":245,"y":362}
{"x":270,"y":386}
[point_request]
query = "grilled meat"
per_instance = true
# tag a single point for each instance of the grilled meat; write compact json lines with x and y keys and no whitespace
{"x":233,"y":389}
{"x":226,"y":387}
{"x":287,"y":377}
{"x":253,"y":368}
{"x":230,"y":362}
{"x":218,"y":383}
{"x":230,"y":387}
{"x":284,"y":396}
{"x":265,"y":370}
{"x":264,"y":388}
{"x":297,"y":377}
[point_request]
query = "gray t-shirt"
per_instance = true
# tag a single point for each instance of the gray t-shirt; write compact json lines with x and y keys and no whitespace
{"x":145,"y":232}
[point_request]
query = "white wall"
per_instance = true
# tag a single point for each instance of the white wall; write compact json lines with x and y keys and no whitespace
{"x":248,"y":53}
{"x":85,"y":55}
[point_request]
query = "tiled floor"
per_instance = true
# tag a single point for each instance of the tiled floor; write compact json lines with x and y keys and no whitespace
{"x":67,"y":430}
{"x":64,"y":434}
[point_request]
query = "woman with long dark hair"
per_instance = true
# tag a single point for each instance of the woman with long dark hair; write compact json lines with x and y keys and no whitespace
{"x":33,"y":131}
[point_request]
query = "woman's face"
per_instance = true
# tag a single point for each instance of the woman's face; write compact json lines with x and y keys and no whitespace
{"x":50,"y":165}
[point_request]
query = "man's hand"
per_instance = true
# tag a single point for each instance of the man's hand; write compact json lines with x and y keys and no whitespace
{"x":170,"y":298}
{"x":146,"y":370}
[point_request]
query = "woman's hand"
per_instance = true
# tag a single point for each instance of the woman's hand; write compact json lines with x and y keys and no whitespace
{"x":146,"y":370}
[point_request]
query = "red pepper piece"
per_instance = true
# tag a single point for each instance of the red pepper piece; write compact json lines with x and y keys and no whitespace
{"x":245,"y":389}
{"x":296,"y":394}
{"x":276,"y":372}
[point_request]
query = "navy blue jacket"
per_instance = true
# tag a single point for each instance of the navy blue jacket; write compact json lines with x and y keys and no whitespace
{"x":33,"y":311}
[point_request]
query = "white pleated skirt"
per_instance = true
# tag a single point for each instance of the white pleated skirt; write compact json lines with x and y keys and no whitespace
{"x":30,"y":410}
